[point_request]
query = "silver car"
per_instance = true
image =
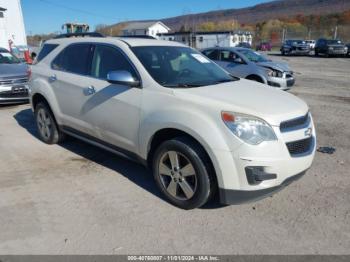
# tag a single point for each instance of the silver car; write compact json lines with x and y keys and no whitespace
{"x":13,"y":79}
{"x":246,"y":63}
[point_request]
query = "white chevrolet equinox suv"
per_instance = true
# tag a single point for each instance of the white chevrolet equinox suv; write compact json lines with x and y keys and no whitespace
{"x":201,"y":130}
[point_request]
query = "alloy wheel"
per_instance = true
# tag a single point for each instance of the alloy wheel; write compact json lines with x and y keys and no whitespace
{"x":177,"y":175}
{"x":44,"y":123}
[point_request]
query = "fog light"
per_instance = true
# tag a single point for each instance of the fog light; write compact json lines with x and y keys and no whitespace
{"x":255,"y":175}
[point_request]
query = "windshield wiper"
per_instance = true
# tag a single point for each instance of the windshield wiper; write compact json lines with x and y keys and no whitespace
{"x":180,"y":85}
{"x":227,"y":80}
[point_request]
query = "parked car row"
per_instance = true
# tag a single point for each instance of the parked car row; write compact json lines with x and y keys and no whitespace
{"x":326,"y":47}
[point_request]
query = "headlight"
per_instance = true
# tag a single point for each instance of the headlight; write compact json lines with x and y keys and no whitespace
{"x":274,"y":73}
{"x":250,"y":129}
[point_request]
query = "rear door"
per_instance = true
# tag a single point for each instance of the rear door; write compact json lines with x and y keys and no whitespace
{"x":70,"y":81}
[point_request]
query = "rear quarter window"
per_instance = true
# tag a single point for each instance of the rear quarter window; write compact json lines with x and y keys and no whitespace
{"x":45,"y":51}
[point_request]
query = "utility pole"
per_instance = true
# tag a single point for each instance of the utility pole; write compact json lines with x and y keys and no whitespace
{"x":336,"y":32}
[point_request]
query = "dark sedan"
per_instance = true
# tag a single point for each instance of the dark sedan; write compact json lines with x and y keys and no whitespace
{"x":295,"y":47}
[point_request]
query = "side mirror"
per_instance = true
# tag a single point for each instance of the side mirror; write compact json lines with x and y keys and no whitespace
{"x":122,"y":78}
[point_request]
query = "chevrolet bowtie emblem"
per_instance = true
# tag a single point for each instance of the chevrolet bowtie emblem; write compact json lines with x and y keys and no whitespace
{"x":308,"y":132}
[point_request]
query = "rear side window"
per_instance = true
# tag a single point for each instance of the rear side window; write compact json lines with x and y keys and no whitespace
{"x":107,"y":59}
{"x":47,"y":49}
{"x":74,"y":59}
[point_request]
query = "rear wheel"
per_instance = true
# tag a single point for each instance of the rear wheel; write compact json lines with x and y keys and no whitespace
{"x":182,"y":173}
{"x":46,"y":124}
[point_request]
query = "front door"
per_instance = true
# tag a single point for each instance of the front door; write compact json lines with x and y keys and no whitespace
{"x":113,"y":110}
{"x":232,"y":63}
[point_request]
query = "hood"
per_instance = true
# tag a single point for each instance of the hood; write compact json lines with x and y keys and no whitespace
{"x":280,"y":66}
{"x":247,"y":97}
{"x":9,"y":70}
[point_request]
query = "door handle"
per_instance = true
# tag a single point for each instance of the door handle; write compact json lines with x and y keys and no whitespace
{"x":90,"y":90}
{"x":52,"y":78}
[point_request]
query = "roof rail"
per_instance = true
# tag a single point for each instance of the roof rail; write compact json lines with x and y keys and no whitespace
{"x":138,"y":36}
{"x":87,"y":34}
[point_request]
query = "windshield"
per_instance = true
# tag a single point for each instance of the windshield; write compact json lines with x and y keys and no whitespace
{"x":253,"y":56}
{"x":8,"y":58}
{"x":334,"y":42}
{"x":173,"y":66}
{"x":295,"y":42}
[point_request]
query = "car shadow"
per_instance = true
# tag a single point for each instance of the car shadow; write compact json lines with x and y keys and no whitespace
{"x":136,"y":173}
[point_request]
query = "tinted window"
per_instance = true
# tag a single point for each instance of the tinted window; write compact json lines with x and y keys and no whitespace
{"x":7,"y":58}
{"x":74,"y":59}
{"x":107,"y":59}
{"x":334,"y":42}
{"x":228,"y":56}
{"x":212,"y":54}
{"x":47,"y":49}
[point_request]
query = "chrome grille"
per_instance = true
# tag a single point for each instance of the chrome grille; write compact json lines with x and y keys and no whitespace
{"x":295,"y":124}
{"x":11,"y":81}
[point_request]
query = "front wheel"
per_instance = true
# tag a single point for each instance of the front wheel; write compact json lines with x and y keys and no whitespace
{"x":182,"y":173}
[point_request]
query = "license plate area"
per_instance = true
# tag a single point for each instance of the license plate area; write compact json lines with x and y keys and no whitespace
{"x":19,"y":89}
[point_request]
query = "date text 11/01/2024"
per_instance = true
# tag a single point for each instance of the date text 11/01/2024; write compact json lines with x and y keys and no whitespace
{"x":173,"y":258}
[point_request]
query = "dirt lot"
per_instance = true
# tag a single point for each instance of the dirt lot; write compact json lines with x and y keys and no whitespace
{"x":77,"y":199}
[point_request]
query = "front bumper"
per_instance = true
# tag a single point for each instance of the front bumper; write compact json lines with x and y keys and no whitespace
{"x":299,"y":51}
{"x":235,"y":197}
{"x":14,"y":94}
{"x":283,"y":83}
{"x":278,"y":163}
{"x":337,"y":51}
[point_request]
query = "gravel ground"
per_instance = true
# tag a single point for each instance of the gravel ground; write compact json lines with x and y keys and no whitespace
{"x":77,"y":199}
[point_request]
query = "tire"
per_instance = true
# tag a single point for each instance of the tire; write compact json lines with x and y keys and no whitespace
{"x":316,"y":53}
{"x":46,"y":124}
{"x":189,"y":187}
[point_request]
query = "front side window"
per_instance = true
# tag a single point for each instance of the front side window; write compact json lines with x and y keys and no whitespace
{"x":74,"y":59}
{"x":7,"y":58}
{"x":227,"y":56}
{"x":173,"y":66}
{"x":107,"y":59}
{"x":253,"y":56}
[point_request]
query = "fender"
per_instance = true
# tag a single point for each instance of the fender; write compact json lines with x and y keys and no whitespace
{"x":42,"y":87}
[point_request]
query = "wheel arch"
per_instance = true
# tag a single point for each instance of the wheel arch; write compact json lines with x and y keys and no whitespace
{"x":166,"y":134}
{"x":37,"y":98}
